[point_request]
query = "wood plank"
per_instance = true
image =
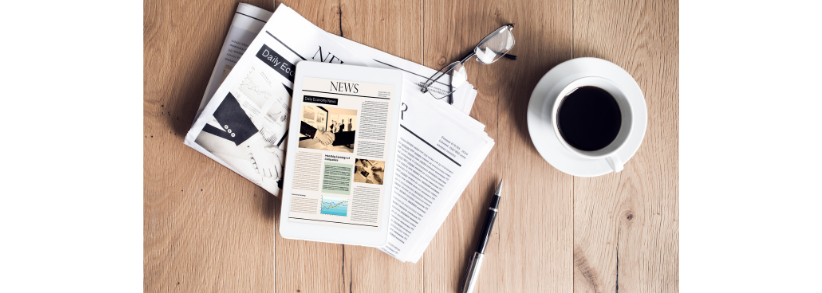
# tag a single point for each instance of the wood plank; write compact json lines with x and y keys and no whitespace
{"x":394,"y":27}
{"x":208,"y":229}
{"x":205,"y":228}
{"x":306,"y":266}
{"x":626,"y":225}
{"x":530,"y":247}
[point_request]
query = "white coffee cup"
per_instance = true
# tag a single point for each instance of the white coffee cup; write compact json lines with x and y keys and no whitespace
{"x":610,"y":152}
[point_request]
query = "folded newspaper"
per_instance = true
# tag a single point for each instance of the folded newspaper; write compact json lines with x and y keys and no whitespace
{"x":242,"y":124}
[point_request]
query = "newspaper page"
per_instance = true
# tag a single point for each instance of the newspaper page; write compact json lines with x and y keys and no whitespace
{"x":437,"y":155}
{"x":244,"y":124}
{"x":341,"y":158}
{"x":247,"y":23}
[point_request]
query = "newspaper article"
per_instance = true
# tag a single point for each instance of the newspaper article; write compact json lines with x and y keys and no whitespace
{"x":438,"y":153}
{"x":341,"y":157}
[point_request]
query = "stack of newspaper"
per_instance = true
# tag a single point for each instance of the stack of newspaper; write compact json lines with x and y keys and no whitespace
{"x":440,"y":147}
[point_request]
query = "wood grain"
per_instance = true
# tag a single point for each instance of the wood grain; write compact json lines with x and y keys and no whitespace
{"x":304,"y":266}
{"x":394,"y":27}
{"x":530,"y":246}
{"x":626,"y":231}
{"x":207,"y":229}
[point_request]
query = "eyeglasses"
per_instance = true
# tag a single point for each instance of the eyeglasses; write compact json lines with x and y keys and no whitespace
{"x":493,"y":47}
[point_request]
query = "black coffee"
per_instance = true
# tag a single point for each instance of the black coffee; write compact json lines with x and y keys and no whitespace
{"x":589,"y":118}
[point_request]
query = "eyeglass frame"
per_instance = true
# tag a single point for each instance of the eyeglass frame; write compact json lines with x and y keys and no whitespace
{"x":440,"y":73}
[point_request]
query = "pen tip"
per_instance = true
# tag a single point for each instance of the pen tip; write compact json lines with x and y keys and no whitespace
{"x":499,"y":188}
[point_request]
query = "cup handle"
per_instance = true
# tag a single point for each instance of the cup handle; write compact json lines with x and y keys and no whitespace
{"x":615,"y":163}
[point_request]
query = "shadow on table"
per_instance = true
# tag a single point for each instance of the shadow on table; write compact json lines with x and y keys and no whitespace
{"x":269,"y":205}
{"x":185,"y":98}
{"x":522,"y":85}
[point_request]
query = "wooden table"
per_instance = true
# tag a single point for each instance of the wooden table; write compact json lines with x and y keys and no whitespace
{"x":207,"y":229}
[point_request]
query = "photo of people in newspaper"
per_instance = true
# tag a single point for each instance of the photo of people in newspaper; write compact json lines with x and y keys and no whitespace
{"x":369,"y":171}
{"x":247,"y":130}
{"x":328,"y":128}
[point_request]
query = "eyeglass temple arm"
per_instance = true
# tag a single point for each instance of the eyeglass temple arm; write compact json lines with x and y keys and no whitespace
{"x":470,"y":54}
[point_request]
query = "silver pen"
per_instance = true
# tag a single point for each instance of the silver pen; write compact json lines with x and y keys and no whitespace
{"x":472,"y":274}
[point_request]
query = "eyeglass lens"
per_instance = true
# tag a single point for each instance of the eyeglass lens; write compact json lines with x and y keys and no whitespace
{"x":495,"y":45}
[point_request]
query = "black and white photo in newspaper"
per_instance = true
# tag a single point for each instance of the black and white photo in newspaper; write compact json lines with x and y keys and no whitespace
{"x":247,"y":22}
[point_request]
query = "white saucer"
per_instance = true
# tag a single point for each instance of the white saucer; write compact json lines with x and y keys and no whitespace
{"x":546,"y":91}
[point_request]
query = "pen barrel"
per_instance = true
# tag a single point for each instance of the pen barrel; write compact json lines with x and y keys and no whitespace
{"x":495,"y":202}
{"x":486,"y":230}
{"x":472,"y":273}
